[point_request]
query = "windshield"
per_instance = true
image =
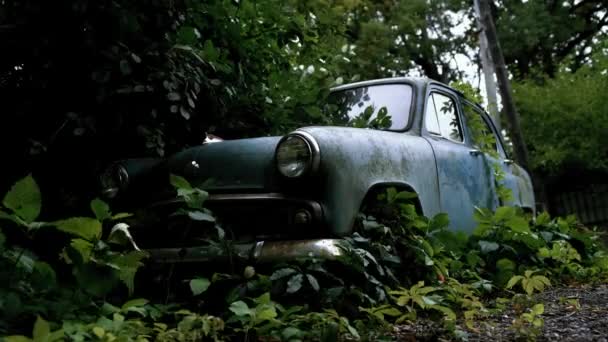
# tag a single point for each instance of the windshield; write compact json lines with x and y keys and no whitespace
{"x":383,"y":106}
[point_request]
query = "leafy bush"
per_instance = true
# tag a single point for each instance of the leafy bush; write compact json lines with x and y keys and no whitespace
{"x":397,"y":267}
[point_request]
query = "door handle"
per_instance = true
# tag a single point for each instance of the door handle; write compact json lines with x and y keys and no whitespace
{"x":474,"y":152}
{"x":508,"y":161}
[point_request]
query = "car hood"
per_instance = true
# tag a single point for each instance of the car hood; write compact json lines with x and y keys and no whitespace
{"x":230,"y":165}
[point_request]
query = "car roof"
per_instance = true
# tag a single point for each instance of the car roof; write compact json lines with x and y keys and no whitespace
{"x":421,"y":82}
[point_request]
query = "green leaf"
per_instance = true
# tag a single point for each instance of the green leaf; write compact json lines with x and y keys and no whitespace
{"x":128,"y":265}
{"x":197,"y":215}
{"x":12,"y":217}
{"x":505,"y":264}
{"x":544,"y":280}
{"x":194,"y":198}
{"x":291,"y":333}
{"x":544,"y":252}
{"x":295,"y":283}
{"x":57,"y":335}
{"x":389,"y":311}
{"x":449,"y":313}
{"x":108,"y":309}
{"x":22,"y":258}
{"x":99,"y":332}
{"x":266,"y":314}
{"x":514,"y":280}
{"x":101,"y":209}
{"x":199,"y":285}
{"x":24,"y":199}
{"x":543,"y":219}
{"x":84,"y":227}
{"x":44,"y":276}
{"x":427,"y":247}
{"x":134,"y":303}
{"x":210,"y":52}
{"x":187,"y":35}
{"x":428,"y":261}
{"x":518,"y":224}
{"x":313,"y":282}
{"x":504,"y":213}
{"x":17,"y":338}
{"x":84,"y":248}
{"x":406,"y":195}
{"x":240,"y":308}
{"x":263,"y":299}
{"x":121,"y":216}
{"x":439,"y":221}
{"x":351,"y":329}
{"x":179,"y":182}
{"x":538,"y":309}
{"x":42,"y":330}
{"x":488,"y":246}
{"x":281,"y":273}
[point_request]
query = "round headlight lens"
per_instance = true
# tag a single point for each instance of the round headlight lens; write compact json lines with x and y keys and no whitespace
{"x":294,"y":156}
{"x":113,"y":179}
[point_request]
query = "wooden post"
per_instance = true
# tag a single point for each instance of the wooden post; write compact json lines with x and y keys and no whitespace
{"x":502,"y":75}
{"x":488,"y":71}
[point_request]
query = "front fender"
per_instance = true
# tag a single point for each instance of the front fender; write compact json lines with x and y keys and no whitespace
{"x":353,"y":160}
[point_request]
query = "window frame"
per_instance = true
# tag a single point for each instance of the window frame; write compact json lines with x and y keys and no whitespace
{"x":414,"y":99}
{"x":500,"y":148}
{"x":456,"y":102}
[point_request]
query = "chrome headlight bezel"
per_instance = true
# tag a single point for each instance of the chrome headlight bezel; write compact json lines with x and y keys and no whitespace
{"x":312,"y":160}
{"x":113,"y":180}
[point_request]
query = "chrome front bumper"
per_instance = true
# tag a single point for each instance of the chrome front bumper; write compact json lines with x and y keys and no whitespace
{"x":260,"y":251}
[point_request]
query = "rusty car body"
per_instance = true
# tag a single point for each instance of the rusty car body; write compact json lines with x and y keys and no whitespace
{"x":299,"y":194}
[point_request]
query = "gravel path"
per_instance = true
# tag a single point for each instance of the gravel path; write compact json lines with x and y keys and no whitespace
{"x":571,"y":314}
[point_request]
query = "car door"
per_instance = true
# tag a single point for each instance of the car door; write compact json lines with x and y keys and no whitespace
{"x":464,"y":179}
{"x":485,"y":138}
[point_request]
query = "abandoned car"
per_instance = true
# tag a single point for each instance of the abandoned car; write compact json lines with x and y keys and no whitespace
{"x":299,"y":194}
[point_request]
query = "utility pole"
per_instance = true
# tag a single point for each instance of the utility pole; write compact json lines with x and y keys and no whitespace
{"x":487,"y":67}
{"x":502,"y":75}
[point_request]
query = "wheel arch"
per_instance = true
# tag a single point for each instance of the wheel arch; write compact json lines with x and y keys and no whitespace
{"x":376,"y":188}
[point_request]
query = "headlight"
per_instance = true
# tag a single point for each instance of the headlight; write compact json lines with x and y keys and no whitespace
{"x":297,"y":154}
{"x":113,"y":179}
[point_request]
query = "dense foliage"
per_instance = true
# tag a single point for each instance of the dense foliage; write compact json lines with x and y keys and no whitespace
{"x":84,"y":82}
{"x":398,"y":266}
{"x":565,"y":118}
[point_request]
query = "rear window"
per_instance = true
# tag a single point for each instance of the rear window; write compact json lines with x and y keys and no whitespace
{"x":383,"y":106}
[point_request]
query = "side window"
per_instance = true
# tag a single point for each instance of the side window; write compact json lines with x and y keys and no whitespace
{"x":482,"y":136}
{"x":430,"y":118}
{"x":441,"y":117}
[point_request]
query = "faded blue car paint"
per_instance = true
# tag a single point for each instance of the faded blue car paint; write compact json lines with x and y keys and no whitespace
{"x":233,"y":165}
{"x":355,"y":160}
{"x":446,"y":176}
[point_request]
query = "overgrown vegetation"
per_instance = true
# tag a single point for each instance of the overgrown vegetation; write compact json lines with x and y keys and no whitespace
{"x":87,"y":82}
{"x":74,"y":279}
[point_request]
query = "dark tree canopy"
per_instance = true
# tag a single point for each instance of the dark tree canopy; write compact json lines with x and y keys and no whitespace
{"x":539,"y":35}
{"x":85,"y":82}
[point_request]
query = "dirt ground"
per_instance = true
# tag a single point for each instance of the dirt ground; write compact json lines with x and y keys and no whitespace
{"x":571,"y":314}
